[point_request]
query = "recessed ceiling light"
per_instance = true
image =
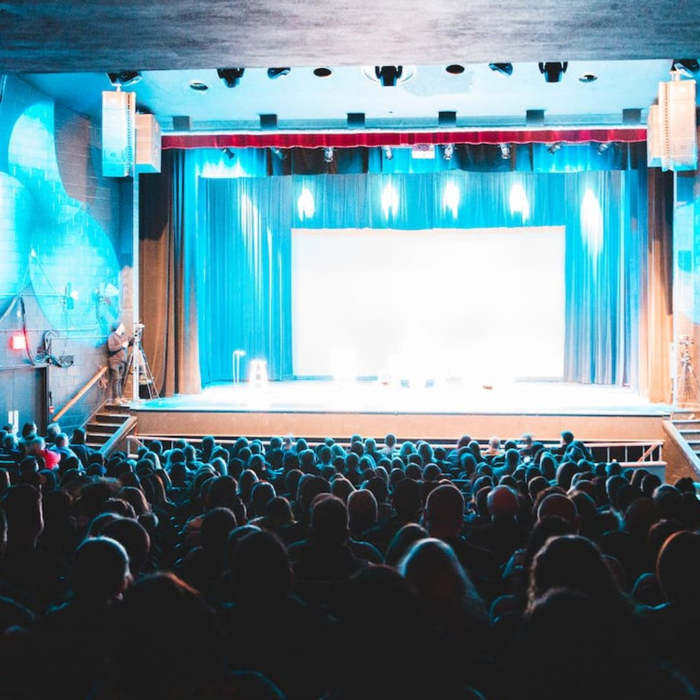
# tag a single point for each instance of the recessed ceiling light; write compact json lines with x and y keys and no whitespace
{"x":588,"y":78}
{"x":455,"y":69}
{"x":199,"y":86}
{"x":322,"y":72}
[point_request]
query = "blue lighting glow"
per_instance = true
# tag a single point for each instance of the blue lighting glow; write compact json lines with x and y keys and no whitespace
{"x":519,"y":203}
{"x":450,"y":198}
{"x":223,"y":169}
{"x":305,"y":204}
{"x":390,"y":200}
{"x":592,"y":223}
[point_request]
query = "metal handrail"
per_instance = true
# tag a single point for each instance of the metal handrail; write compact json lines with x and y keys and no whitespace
{"x":81,"y":392}
{"x":123,"y":432}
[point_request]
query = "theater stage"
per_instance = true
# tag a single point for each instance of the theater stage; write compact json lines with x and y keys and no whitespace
{"x":445,"y":410}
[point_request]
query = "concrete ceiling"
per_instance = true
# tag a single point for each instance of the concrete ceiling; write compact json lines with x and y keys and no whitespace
{"x":101,"y":35}
{"x":480,"y":96}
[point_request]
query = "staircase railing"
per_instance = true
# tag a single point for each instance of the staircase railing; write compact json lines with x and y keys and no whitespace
{"x":120,"y":436}
{"x":80,"y":393}
{"x":686,"y":456}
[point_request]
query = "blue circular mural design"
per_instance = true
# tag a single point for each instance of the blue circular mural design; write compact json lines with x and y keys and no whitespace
{"x":16,"y":217}
{"x":73,"y":266}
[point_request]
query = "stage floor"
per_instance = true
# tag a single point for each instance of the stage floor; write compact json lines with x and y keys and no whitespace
{"x":528,"y":398}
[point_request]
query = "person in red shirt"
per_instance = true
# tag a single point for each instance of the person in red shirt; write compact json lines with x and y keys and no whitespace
{"x":37,"y":447}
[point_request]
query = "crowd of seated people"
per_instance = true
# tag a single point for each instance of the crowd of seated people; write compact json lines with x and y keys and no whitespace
{"x":282,"y":569}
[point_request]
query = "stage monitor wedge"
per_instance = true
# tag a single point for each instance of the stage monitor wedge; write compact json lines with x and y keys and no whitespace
{"x":118,"y":133}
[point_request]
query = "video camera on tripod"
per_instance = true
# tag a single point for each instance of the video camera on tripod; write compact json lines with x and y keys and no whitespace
{"x":137,"y":363}
{"x":138,"y":332}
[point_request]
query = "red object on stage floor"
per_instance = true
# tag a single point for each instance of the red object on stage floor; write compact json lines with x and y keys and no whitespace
{"x":353,"y":139}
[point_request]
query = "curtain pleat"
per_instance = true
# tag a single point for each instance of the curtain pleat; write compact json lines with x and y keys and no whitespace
{"x":167,"y":278}
{"x":656,"y":334}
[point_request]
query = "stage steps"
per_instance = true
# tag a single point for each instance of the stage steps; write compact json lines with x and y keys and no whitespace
{"x":104,"y":424}
{"x":687,"y":423}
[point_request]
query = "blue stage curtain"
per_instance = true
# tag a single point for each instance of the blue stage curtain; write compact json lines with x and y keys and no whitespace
{"x":244,"y":268}
{"x":606,"y":263}
{"x":244,"y":252}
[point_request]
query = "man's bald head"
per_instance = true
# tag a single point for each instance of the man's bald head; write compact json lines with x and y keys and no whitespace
{"x":502,"y":503}
{"x":444,"y":511}
{"x":560,"y":506}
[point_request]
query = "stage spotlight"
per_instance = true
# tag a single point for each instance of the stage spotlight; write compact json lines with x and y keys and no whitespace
{"x":688,"y":66}
{"x":554,"y":147}
{"x":274,"y":73}
{"x":505,"y":151}
{"x":278,"y":152}
{"x":448,"y":151}
{"x":230,"y":76}
{"x":124,"y":78}
{"x":502,"y":68}
{"x":388,"y":153}
{"x":455,"y":69}
{"x":228,"y":153}
{"x":323,"y":72}
{"x":197,"y":86}
{"x":388,"y":76}
{"x":328,"y":154}
{"x":602,"y":147}
{"x":553,"y":71}
{"x":588,"y":78}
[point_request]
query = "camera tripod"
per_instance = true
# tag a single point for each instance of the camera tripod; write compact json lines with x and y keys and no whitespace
{"x":688,"y":390}
{"x":137,"y":362}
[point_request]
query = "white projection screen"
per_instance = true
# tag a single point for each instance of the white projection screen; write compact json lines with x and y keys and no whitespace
{"x":474,"y":304}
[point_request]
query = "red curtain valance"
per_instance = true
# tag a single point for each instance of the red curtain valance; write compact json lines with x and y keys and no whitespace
{"x":353,"y":139}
